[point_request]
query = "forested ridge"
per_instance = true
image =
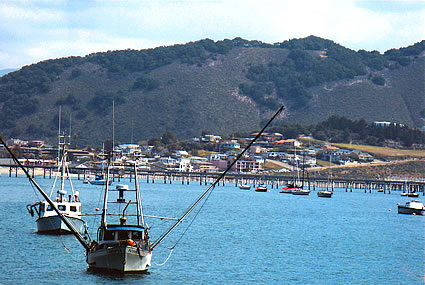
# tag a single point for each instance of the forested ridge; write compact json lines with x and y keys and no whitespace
{"x":224,"y":86}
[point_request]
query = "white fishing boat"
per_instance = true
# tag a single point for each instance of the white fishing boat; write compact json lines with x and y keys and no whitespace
{"x":413,"y":207}
{"x":47,"y":219}
{"x":121,"y":246}
{"x":124,"y":247}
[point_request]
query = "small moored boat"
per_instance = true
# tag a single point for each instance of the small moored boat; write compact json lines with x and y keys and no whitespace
{"x":244,"y":186}
{"x":413,"y":207}
{"x":325,"y":193}
{"x":301,"y":192}
{"x":98,"y":180}
{"x":289,"y":188}
{"x":261,"y":188}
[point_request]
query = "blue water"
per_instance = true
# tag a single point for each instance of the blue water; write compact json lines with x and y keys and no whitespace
{"x":239,"y":237}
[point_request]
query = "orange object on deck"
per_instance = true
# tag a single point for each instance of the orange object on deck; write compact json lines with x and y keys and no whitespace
{"x":131,"y":242}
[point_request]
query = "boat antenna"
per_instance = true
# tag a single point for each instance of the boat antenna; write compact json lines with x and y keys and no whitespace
{"x":79,"y":237}
{"x":105,"y":196}
{"x":113,"y":129}
{"x":59,"y":131}
{"x":164,"y":235}
{"x":70,"y":124}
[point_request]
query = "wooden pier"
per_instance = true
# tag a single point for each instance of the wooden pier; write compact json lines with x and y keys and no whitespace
{"x":205,"y":178}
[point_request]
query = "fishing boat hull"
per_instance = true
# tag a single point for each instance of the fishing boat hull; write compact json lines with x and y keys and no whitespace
{"x":55,"y":225}
{"x":122,"y":259}
{"x":325,"y":194}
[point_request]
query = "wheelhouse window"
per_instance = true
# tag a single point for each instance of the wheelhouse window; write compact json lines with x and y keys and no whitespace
{"x":123,"y":235}
{"x":108,"y":235}
{"x":73,"y":208}
{"x":61,"y":207}
{"x":137,"y":235}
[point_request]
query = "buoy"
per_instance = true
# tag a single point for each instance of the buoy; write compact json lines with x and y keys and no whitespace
{"x":131,"y":242}
{"x":97,"y":209}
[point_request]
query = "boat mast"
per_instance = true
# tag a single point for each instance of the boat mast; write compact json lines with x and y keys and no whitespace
{"x":113,"y":129}
{"x":105,"y":196}
{"x":59,"y":132}
{"x":303,"y":165}
{"x":138,"y":199}
{"x":71,"y":227}
{"x":163,"y":236}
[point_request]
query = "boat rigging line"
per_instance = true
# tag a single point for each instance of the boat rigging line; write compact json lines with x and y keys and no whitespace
{"x":79,"y":237}
{"x":211,"y":188}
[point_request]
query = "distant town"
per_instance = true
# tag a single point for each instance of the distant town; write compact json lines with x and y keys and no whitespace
{"x":271,"y":153}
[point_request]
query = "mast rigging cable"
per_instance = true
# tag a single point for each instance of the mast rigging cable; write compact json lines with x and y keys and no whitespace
{"x":211,"y":188}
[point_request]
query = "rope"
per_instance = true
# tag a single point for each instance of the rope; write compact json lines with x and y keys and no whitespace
{"x":184,"y":232}
{"x":67,"y":250}
{"x":191,"y":222}
{"x":169,"y":255}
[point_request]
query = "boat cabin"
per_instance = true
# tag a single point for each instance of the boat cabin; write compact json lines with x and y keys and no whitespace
{"x":69,"y":208}
{"x":114,"y":235}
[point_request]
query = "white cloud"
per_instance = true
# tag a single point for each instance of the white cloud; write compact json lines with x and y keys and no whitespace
{"x":25,"y":13}
{"x":31,"y":31}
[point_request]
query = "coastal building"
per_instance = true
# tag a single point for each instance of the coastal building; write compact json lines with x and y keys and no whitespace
{"x":216,"y":156}
{"x":288,"y":142}
{"x":210,"y":139}
{"x":204,"y":166}
{"x":248,"y":165}
{"x":230,"y":144}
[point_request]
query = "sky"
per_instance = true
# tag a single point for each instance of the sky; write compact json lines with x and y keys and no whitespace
{"x":36,"y":30}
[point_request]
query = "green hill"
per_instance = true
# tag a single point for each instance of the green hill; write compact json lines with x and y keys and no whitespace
{"x":226,"y":86}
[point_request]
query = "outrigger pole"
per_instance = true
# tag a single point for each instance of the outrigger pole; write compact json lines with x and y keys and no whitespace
{"x":163,"y":236}
{"x":79,"y":237}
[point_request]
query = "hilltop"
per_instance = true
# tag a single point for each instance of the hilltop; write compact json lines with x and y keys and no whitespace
{"x":225,"y":87}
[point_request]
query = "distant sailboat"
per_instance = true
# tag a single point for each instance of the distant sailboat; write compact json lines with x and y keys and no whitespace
{"x":295,"y":184}
{"x":326,"y":193}
{"x":99,"y":179}
{"x":301,"y":190}
{"x":244,"y":186}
